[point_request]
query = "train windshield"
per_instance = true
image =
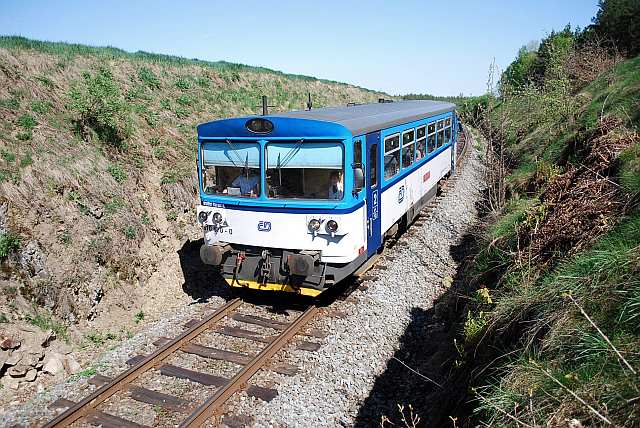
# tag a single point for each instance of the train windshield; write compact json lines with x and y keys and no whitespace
{"x":231,"y":169}
{"x":305,"y":170}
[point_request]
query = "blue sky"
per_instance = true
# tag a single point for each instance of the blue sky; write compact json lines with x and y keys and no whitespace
{"x":439,"y":47}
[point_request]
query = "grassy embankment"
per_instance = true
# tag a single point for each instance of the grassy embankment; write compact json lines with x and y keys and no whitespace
{"x":552,"y":330}
{"x":97,"y":165}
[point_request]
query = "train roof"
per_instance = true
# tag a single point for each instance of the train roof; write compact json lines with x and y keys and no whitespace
{"x":364,"y":118}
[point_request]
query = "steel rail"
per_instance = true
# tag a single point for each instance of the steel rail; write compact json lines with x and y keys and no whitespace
{"x":89,"y":403}
{"x":209,"y":407}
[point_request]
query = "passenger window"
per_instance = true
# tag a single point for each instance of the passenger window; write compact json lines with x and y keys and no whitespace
{"x":358,"y":171}
{"x":357,"y":153}
{"x":408,"y":139}
{"x":440,"y":133}
{"x":391,"y":155}
{"x":373,"y":165}
{"x":421,"y":144}
{"x":432,"y":137}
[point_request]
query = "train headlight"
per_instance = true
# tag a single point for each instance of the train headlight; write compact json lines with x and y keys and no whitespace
{"x":217,"y":218}
{"x":202,"y":216}
{"x":314,"y":225}
{"x":332,"y":226}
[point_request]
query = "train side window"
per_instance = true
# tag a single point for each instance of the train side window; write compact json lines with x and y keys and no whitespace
{"x":440,"y":133}
{"x":447,"y":135}
{"x":357,"y":153}
{"x":421,"y":144}
{"x":391,"y":155}
{"x":432,"y":137}
{"x":408,"y":145}
{"x":357,"y":166}
{"x":373,"y":165}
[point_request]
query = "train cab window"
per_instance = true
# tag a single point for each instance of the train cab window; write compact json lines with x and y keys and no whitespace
{"x":391,"y":155}
{"x":231,"y":169}
{"x":408,"y":148}
{"x":441,"y":141}
{"x":431,"y":137}
{"x":305,"y":170}
{"x":421,"y":143}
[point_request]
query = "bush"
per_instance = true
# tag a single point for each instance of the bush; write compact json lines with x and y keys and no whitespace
{"x":27,"y":121}
{"x":100,"y":107}
{"x":182,"y":83}
{"x":130,"y":232}
{"x":9,"y":243}
{"x":41,"y":107}
{"x":117,"y":173}
{"x":149,"y":78}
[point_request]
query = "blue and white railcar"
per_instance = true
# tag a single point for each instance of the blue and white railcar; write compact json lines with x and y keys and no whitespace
{"x":298,"y":201}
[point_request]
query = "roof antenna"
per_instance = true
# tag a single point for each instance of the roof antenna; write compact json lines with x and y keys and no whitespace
{"x":309,"y":103}
{"x":265,"y":105}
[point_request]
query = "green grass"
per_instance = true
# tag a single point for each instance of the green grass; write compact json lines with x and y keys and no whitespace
{"x":117,"y":172}
{"x":130,"y":232}
{"x":139,"y":316}
{"x":149,"y":78}
{"x":114,"y":205}
{"x":630,"y":170}
{"x":45,"y":322}
{"x":41,"y":107}
{"x":617,"y":93}
{"x":7,"y":155}
{"x":69,"y":50}
{"x":9,"y":243}
{"x":572,"y":350}
{"x":27,"y":122}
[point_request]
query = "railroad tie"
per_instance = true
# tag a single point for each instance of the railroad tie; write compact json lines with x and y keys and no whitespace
{"x":266,"y":394}
{"x":144,"y":395}
{"x":229,"y":356}
{"x":96,"y":417}
{"x":252,"y":335}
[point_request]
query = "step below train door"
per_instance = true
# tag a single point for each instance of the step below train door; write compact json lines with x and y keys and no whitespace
{"x":374,"y":235}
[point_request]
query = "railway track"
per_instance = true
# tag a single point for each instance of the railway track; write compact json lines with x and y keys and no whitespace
{"x":90,"y":409}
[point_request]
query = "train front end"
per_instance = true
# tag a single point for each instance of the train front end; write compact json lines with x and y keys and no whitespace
{"x":281,"y":205}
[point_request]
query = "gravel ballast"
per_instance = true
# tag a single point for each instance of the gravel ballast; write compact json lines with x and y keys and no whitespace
{"x":334,"y":381}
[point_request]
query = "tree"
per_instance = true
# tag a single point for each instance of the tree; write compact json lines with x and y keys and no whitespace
{"x":619,"y":22}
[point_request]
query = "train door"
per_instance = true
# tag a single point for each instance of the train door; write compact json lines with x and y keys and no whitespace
{"x":374,"y":235}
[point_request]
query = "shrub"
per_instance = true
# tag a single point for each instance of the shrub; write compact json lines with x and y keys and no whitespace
{"x":27,"y":121}
{"x":182,"y":83}
{"x":149,"y":78}
{"x":12,"y":103}
{"x":9,"y":243}
{"x":100,"y":107}
{"x":26,"y":160}
{"x":41,"y":107}
{"x":114,"y":205}
{"x":117,"y":173}
{"x":46,"y":322}
{"x":130,"y":232}
{"x":169,"y":177}
{"x":139,"y":316}
{"x":24,"y":136}
{"x":46,"y":82}
{"x":7,"y":155}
